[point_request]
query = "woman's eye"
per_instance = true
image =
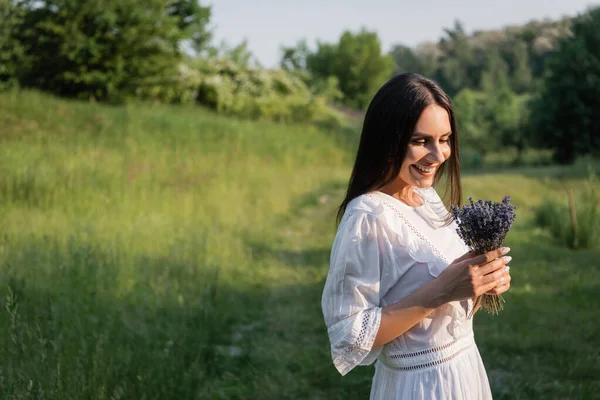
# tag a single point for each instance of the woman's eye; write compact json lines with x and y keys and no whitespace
{"x":422,"y":142}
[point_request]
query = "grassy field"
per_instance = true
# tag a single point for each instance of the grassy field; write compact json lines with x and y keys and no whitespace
{"x":154,"y":252}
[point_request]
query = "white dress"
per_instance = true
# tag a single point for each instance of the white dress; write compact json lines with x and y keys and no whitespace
{"x":383,"y":251}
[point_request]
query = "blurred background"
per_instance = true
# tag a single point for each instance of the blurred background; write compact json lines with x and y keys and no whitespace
{"x":170,"y":172}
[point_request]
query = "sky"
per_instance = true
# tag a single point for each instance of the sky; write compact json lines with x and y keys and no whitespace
{"x":269,"y":24}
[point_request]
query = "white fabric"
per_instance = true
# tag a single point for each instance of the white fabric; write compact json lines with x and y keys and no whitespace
{"x":383,"y":251}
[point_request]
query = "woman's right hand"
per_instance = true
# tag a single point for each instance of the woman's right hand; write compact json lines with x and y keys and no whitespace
{"x":471,"y":276}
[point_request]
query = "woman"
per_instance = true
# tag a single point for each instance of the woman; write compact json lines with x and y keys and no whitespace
{"x":401,"y":283}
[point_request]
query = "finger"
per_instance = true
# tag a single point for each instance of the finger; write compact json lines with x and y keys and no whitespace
{"x":499,"y":289}
{"x":491,"y":281}
{"x":502,"y":284}
{"x":494,"y":265}
{"x":497,"y":277}
{"x":489,"y":256}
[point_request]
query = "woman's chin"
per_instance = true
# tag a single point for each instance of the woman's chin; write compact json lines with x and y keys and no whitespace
{"x":423,"y":182}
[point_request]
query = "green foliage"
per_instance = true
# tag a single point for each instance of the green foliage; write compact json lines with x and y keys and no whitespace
{"x":257,"y":93}
{"x":360,"y":66}
{"x":240,"y":54}
{"x":122,"y":49}
{"x":406,"y":60}
{"x":11,"y":50}
{"x":293,"y":58}
{"x":193,"y":19}
{"x":453,"y":72}
{"x":557,"y":218}
{"x":565,"y":113}
{"x":485,"y":58}
{"x":521,"y":73}
{"x":493,"y":120}
{"x":470,"y":112}
{"x":508,"y":157}
{"x":356,"y":61}
{"x":507,"y":114}
{"x":181,"y":88}
{"x":106,"y":50}
{"x":495,"y":72}
{"x":492,"y":77}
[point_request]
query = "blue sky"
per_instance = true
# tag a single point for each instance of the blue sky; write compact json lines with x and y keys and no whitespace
{"x":268,"y":24}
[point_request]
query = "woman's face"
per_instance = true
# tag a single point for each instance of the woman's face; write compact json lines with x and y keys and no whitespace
{"x":428,"y":148}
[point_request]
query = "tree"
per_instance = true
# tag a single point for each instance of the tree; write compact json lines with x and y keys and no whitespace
{"x":193,"y":19}
{"x":103,"y":49}
{"x":406,"y":60}
{"x":358,"y":63}
{"x":322,"y":63}
{"x":495,"y":72}
{"x":294,"y":58}
{"x":11,"y":50}
{"x":566,"y":114}
{"x":521,"y":69}
{"x":454,"y":71}
{"x":473,"y":127}
{"x":506,"y":115}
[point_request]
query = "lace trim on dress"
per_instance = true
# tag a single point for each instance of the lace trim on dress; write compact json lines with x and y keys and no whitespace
{"x":423,"y":352}
{"x":358,"y":343}
{"x":432,"y":363}
{"x":414,"y":230}
{"x":429,"y":357}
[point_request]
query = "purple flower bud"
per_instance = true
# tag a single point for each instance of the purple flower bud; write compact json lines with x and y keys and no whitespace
{"x":483,"y":225}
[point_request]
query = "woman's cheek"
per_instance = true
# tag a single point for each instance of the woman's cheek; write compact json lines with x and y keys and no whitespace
{"x":448,"y":152}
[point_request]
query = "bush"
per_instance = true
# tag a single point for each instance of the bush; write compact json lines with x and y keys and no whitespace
{"x":556,"y":217}
{"x":258,"y":93}
{"x":182,"y":88}
{"x":511,"y":157}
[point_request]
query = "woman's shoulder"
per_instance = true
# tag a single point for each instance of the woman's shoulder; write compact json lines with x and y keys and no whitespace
{"x":367,"y":203}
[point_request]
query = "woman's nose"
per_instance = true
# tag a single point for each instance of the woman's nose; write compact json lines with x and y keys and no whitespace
{"x":436,"y":154}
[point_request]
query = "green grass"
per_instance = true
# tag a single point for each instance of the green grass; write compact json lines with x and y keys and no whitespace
{"x":152,"y":252}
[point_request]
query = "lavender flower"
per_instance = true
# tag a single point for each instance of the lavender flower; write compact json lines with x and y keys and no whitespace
{"x":483,"y":225}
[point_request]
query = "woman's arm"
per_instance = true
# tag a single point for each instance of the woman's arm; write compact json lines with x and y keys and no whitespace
{"x":463,"y":279}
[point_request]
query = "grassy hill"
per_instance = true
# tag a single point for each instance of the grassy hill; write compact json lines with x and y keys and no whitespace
{"x":167,"y":252}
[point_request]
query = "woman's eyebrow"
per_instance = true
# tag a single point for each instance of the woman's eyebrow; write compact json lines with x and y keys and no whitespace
{"x":425,"y":135}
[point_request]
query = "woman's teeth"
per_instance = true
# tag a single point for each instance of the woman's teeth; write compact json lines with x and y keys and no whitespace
{"x":426,"y":170}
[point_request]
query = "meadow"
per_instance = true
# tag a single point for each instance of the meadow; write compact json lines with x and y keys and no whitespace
{"x":158,"y":252}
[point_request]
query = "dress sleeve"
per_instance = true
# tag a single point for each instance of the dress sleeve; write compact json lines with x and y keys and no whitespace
{"x":351,"y":297}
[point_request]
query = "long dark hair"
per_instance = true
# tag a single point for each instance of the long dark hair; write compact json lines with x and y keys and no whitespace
{"x":389,"y":123}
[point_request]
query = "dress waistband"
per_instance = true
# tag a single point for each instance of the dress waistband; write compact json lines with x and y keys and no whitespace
{"x":428,"y":357}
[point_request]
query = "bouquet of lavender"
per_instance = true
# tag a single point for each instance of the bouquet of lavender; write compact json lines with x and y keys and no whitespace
{"x":483,"y":225}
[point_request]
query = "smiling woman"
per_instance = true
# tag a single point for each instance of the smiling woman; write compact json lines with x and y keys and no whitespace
{"x":426,"y":152}
{"x":401,"y":282}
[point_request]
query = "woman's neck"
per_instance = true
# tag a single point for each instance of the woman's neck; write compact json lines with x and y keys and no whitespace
{"x":403,"y":192}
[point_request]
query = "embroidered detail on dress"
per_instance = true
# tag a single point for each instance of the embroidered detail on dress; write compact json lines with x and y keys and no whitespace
{"x":363,"y":328}
{"x":423,"y":352}
{"x":432,"y":363}
{"x":361,"y":336}
{"x":414,"y":230}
